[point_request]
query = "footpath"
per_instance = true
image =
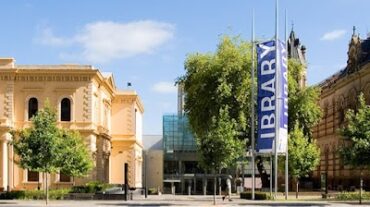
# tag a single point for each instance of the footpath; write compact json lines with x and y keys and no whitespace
{"x":183,"y":200}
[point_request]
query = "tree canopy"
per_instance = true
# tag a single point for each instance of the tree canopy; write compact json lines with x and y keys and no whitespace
{"x":356,"y":133}
{"x":304,"y":155}
{"x":217,"y":101}
{"x":303,"y":108}
{"x":45,"y":148}
{"x":304,"y":113}
{"x":218,"y":96}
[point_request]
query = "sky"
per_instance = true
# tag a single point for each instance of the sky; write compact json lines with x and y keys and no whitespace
{"x":146,"y":42}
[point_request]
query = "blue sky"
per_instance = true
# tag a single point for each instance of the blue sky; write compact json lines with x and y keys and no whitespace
{"x":146,"y":42}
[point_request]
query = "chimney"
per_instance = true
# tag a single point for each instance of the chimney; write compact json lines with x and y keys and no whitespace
{"x":7,"y":63}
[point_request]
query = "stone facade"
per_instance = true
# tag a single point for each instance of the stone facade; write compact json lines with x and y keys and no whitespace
{"x":339,"y":93}
{"x":109,"y":120}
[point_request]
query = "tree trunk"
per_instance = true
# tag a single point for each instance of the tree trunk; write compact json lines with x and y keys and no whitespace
{"x":219,"y":182}
{"x":297,"y":189}
{"x":47,"y":189}
{"x":214,"y":189}
{"x":262,"y":171}
{"x":361,"y":185}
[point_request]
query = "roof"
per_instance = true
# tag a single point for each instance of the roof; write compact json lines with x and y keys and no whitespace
{"x":56,"y":67}
{"x":361,"y":58}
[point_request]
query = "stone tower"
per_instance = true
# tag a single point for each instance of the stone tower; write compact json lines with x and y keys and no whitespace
{"x":298,"y":52}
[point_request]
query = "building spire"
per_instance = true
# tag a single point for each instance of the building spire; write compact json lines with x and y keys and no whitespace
{"x":354,"y":31}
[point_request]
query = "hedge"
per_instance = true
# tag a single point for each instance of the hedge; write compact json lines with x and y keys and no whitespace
{"x":257,"y":195}
{"x":91,"y":187}
{"x":35,"y":194}
{"x":353,"y":195}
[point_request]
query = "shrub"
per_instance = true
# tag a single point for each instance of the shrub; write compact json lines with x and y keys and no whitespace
{"x":59,"y":194}
{"x":91,"y":187}
{"x":35,"y":194}
{"x":12,"y":195}
{"x":152,"y":191}
{"x":257,"y":195}
{"x":78,"y":189}
{"x":353,"y":196}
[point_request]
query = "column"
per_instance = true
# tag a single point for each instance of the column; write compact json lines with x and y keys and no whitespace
{"x":189,"y":186}
{"x":173,"y":188}
{"x":10,"y":168}
{"x":4,"y":164}
{"x":195,"y":186}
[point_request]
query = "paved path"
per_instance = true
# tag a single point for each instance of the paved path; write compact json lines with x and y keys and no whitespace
{"x":169,"y":200}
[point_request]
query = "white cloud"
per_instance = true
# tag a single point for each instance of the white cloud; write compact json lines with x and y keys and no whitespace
{"x":164,"y":87}
{"x":47,"y":37}
{"x":333,"y":35}
{"x":105,"y":41}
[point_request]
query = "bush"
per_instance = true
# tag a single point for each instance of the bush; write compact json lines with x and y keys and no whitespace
{"x":91,"y":187}
{"x":35,"y":194}
{"x":152,"y":191}
{"x":12,"y":195}
{"x":353,"y":196}
{"x":59,"y":194}
{"x":257,"y":195}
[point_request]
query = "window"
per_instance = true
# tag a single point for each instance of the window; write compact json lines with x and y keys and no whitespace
{"x":65,"y":110}
{"x":64,"y":178}
{"x":32,"y":176}
{"x":32,"y":107}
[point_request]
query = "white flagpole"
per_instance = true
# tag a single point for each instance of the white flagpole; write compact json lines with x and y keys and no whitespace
{"x":277,"y":70}
{"x":286,"y":153}
{"x":252,"y":111}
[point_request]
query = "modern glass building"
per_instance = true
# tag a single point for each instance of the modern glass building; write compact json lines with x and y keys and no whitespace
{"x":181,"y":172}
{"x":177,"y":136}
{"x":180,"y":159}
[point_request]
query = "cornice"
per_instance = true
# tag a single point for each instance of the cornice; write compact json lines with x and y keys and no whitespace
{"x":345,"y":81}
{"x":130,"y":98}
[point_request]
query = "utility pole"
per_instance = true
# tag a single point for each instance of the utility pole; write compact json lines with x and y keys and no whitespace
{"x":252,"y":113}
{"x":277,"y":95}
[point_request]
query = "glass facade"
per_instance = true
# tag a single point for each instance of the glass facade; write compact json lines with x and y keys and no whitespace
{"x":181,"y":170}
{"x":177,"y":137}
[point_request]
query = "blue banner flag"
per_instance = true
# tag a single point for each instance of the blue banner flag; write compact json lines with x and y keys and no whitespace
{"x":268,"y":94}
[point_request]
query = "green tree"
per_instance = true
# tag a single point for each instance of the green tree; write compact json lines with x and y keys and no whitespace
{"x":217,"y":101}
{"x":303,"y":108}
{"x":45,"y":148}
{"x":76,"y":161}
{"x":304,"y":113}
{"x":356,"y":134}
{"x":304,"y":155}
{"x":218,"y":149}
{"x":222,"y":80}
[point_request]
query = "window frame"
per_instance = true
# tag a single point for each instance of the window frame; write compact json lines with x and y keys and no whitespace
{"x":29,"y":116}
{"x":61,"y":109}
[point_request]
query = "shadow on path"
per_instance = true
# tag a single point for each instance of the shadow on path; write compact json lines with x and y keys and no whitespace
{"x":285,"y":204}
{"x":140,"y":204}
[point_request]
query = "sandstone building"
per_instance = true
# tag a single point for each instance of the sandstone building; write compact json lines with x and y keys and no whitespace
{"x":87,"y":100}
{"x":339,"y":93}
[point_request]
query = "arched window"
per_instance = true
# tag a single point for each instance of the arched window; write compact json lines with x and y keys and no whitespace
{"x":65,"y":110}
{"x":32,"y":107}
